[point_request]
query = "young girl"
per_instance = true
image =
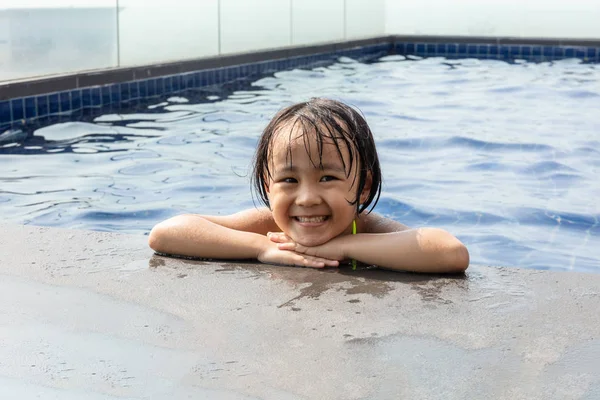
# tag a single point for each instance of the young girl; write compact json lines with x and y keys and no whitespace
{"x":316,"y":169}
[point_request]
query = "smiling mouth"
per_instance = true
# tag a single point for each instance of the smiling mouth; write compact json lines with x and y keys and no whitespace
{"x":312,"y":220}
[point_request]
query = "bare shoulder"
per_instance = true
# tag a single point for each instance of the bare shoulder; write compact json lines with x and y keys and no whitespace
{"x":257,"y":220}
{"x":376,"y":223}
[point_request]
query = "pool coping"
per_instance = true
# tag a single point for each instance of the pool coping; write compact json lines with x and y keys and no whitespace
{"x":34,"y":101}
{"x":100,"y":313}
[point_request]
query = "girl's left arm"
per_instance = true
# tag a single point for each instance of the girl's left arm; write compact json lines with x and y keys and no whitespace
{"x":391,"y":245}
{"x":428,"y":250}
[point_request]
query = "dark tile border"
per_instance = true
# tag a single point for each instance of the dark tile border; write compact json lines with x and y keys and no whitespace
{"x":37,"y":100}
{"x":36,"y":86}
{"x":497,"y":40}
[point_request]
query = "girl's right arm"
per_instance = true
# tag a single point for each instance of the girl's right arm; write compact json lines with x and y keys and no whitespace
{"x":238,"y":236}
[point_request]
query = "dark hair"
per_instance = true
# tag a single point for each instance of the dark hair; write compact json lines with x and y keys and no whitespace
{"x":329,"y":119}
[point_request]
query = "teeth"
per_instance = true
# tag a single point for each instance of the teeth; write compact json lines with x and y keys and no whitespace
{"x":311,"y":219}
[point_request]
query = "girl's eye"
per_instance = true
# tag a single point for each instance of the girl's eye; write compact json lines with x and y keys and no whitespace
{"x":289,"y":180}
{"x":328,"y":178}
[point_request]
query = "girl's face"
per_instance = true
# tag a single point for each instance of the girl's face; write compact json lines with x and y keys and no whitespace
{"x":310,"y":204}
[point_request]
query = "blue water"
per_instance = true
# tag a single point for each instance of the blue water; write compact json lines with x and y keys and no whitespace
{"x":504,"y":156}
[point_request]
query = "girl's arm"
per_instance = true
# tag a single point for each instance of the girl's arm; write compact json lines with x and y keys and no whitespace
{"x":429,"y":250}
{"x":238,"y":236}
{"x":391,"y":245}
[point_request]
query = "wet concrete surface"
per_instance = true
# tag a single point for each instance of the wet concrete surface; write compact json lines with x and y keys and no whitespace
{"x":89,"y":315}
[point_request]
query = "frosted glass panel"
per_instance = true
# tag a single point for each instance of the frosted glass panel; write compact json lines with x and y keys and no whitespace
{"x":167,"y":30}
{"x":315,"y":21}
{"x":579,"y":19}
{"x":365,"y":18}
{"x":248,"y":25}
{"x":71,"y":36}
{"x":533,"y":18}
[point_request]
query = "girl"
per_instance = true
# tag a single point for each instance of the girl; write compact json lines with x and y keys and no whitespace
{"x":316,"y":169}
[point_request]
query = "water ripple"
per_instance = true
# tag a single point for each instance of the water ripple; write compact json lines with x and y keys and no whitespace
{"x":505,"y":156}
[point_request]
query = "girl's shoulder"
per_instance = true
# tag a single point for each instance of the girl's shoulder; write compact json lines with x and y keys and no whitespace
{"x":376,"y":223}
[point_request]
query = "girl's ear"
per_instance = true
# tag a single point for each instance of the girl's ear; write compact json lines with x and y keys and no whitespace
{"x":367,"y":189}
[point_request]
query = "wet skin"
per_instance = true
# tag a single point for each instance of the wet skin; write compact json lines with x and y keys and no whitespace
{"x":310,"y":195}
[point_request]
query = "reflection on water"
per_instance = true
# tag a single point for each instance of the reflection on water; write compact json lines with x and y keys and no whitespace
{"x":503,"y":155}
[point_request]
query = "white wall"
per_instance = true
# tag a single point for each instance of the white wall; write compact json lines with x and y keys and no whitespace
{"x":365,"y":18}
{"x":315,"y":21}
{"x":521,"y":18}
{"x":171,"y":30}
{"x":254,"y":24}
{"x":154,"y":31}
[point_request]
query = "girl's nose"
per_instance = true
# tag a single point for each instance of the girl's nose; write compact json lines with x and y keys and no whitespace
{"x":308,"y":196}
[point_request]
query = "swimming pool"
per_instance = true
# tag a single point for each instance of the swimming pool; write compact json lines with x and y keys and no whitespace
{"x":503,"y":155}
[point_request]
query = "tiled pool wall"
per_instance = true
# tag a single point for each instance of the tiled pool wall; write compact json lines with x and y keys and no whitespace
{"x":30,"y":104}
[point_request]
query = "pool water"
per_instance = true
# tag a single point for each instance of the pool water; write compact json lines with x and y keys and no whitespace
{"x":506,"y":156}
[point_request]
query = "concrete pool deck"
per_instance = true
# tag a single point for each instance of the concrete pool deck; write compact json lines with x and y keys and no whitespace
{"x":90,"y":315}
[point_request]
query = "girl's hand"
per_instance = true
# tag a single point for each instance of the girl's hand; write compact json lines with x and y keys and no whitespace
{"x":273,"y":254}
{"x":331,"y":250}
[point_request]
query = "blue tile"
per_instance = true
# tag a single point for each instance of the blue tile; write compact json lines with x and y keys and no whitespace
{"x":569,"y":52}
{"x":167,"y":85}
{"x":505,"y":52}
{"x":580,"y":53}
{"x":483,"y":49}
{"x":176,"y":83}
{"x":536,"y":51}
{"x":472,"y":49}
{"x":515,"y":51}
{"x":76,"y":100}
{"x":400,"y":48}
{"x":5,"y":115}
{"x":125,"y":94}
{"x":188,"y":81}
{"x":134,"y":90}
{"x":420,"y":48}
{"x":431,"y":49}
{"x":151,"y":85}
{"x":558,"y":52}
{"x":547,"y":51}
{"x":30,"y":107}
{"x":410,"y":48}
{"x":106,"y":95}
{"x":18,"y":111}
{"x":224,"y":72}
{"x":53,"y":104}
{"x":96,"y":96}
{"x":143,"y":86}
{"x":65,"y":101}
{"x":526,"y":51}
{"x":115,"y":94}
{"x":591,"y":53}
{"x":159,"y":84}
{"x":493,"y":50}
{"x":42,"y":105}
{"x":86,"y":98}
{"x":462,"y":48}
{"x":452,"y":48}
{"x":204,"y":78}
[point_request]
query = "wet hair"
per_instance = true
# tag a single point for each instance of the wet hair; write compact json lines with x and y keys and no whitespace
{"x":327,"y":120}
